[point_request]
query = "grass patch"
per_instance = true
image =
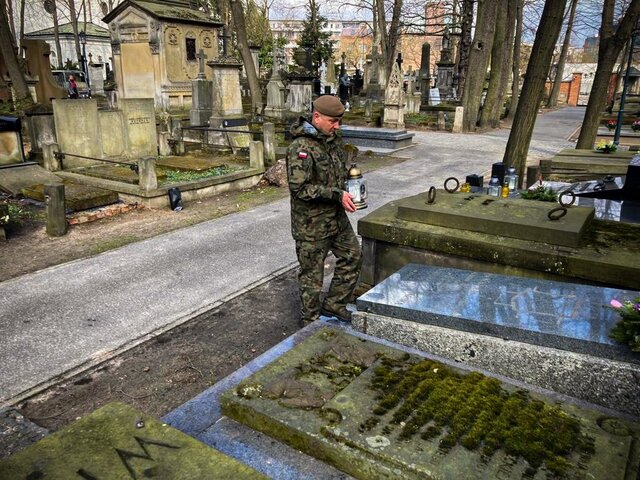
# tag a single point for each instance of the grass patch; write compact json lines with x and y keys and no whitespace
{"x":173,"y":176}
{"x":113,"y":243}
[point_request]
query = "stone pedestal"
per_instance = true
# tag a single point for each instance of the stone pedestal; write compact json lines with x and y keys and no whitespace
{"x":276,"y":99}
{"x":394,"y":100}
{"x":201,"y":106}
{"x":300,"y":96}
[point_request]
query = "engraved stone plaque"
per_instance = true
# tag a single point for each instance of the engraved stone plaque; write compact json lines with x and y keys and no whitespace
{"x":376,"y":412}
{"x":118,"y":442}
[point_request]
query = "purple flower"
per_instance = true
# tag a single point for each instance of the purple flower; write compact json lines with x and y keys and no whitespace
{"x":615,"y":303}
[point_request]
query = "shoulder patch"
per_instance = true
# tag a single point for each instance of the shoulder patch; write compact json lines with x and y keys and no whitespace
{"x":303,"y":155}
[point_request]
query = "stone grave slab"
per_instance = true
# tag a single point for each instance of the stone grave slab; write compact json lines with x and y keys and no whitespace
{"x":77,"y":197}
{"x":567,"y":316}
{"x":507,"y":217}
{"x":13,"y":180}
{"x":118,"y":442}
{"x":377,"y":137}
{"x":376,"y":412}
{"x":182,"y":163}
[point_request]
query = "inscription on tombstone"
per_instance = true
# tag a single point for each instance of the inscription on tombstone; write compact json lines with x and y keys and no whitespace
{"x":377,"y":412}
{"x":118,"y":442}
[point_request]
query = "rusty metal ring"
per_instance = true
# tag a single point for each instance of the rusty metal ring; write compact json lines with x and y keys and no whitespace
{"x":431,"y":196}
{"x":566,"y":192}
{"x":557,"y":213}
{"x":451,"y":190}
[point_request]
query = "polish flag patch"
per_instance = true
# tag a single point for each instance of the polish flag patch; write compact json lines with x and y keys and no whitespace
{"x":302,"y":155}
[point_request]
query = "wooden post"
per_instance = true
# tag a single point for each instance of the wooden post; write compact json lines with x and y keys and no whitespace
{"x":54,"y":200}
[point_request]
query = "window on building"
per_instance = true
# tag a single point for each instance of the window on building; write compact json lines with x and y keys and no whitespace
{"x":191,"y":49}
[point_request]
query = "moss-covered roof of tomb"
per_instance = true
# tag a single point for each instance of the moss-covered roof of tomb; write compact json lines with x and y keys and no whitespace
{"x":173,"y":10}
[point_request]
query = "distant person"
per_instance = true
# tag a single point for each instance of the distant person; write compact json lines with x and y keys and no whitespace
{"x":317,"y":172}
{"x":72,"y":87}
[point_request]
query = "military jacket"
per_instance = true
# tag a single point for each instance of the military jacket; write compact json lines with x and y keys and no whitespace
{"x":317,"y":173}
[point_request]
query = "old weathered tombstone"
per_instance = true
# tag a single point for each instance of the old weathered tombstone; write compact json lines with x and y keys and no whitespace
{"x":445,"y":69}
{"x":201,"y":102}
{"x":117,"y":441}
{"x":424,"y":75}
{"x":226,"y":106}
{"x":377,"y":412}
{"x":140,"y":127}
{"x":276,"y":90}
{"x":394,"y":100}
{"x":457,"y":120}
{"x":269,"y":140}
{"x":54,"y":200}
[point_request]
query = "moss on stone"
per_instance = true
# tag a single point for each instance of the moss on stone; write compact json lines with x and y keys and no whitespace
{"x":429,"y":399}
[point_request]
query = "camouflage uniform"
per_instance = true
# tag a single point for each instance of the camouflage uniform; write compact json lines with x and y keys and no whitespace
{"x":317,"y":172}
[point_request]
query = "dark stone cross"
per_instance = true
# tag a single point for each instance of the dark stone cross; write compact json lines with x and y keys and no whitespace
{"x":201,"y":58}
{"x":399,"y":61}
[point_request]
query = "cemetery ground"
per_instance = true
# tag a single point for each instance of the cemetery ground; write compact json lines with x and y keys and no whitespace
{"x":160,"y":374}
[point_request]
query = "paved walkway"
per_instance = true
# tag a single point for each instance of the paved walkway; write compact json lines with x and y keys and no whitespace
{"x":65,"y":318}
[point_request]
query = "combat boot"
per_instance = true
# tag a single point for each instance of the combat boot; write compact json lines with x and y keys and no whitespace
{"x":341,"y":313}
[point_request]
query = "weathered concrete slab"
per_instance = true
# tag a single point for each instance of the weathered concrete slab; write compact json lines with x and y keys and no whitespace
{"x":77,"y":197}
{"x":595,"y":155}
{"x":365,"y":137}
{"x":13,"y":180}
{"x":118,"y":442}
{"x":182,"y":163}
{"x":376,"y":412}
{"x":505,"y":217}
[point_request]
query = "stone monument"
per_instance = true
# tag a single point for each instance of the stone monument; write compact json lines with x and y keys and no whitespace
{"x":394,"y":100}
{"x":301,"y":85}
{"x":445,"y":69}
{"x":424,"y":75}
{"x":413,"y":95}
{"x":201,"y":104}
{"x":276,"y":90}
{"x":332,"y":80}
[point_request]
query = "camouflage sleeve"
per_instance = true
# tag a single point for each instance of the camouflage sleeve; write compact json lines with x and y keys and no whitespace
{"x":300,"y":174}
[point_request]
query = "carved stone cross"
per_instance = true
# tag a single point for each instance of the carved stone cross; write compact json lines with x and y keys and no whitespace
{"x":201,"y":58}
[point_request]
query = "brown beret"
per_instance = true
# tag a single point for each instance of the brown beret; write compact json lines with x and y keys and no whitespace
{"x":329,"y":105}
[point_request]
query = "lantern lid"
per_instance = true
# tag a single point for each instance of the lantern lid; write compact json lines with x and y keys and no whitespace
{"x":354,"y":171}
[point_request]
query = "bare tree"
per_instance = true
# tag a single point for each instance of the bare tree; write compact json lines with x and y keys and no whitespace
{"x":500,"y":64}
{"x":464,"y":46}
{"x":515,"y":85}
{"x":478,"y":62}
{"x":520,"y":137}
{"x":237,"y":14}
{"x":555,"y":90}
{"x":612,"y":39}
{"x":8,"y":51}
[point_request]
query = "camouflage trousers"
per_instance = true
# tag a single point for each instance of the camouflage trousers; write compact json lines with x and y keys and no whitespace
{"x":311,"y":256}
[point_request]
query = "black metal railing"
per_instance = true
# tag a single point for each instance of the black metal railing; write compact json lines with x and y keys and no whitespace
{"x":60,"y":156}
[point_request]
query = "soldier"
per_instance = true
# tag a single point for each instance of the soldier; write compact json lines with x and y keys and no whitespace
{"x":317,"y":173}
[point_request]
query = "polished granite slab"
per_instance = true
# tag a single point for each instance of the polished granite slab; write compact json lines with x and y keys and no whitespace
{"x":566,"y":316}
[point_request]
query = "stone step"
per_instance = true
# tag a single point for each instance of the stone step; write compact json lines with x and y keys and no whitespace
{"x":548,"y":333}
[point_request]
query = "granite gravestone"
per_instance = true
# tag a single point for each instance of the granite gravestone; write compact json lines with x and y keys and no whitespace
{"x":140,"y":125}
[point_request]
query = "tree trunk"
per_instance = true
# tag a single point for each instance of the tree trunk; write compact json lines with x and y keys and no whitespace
{"x":243,"y":45}
{"x":478,"y":63}
{"x":74,"y":25}
{"x":8,"y":52}
{"x":490,"y":115}
{"x":56,"y":34}
{"x":11,"y":19}
{"x":555,"y":91}
{"x":464,"y":47}
{"x":611,"y":43}
{"x":382,"y":31}
{"x":22,"y":5}
{"x":393,"y":36}
{"x":515,"y":86}
{"x":515,"y":154}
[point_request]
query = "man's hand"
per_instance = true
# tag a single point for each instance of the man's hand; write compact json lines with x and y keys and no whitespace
{"x":347,"y":202}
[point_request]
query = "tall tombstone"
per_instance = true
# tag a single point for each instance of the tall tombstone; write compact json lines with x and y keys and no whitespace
{"x":332,"y":80}
{"x":424,"y":75}
{"x":202,"y":96}
{"x":374,"y":88}
{"x":445,"y":69}
{"x":96,"y":78}
{"x":276,"y":90}
{"x":394,"y":100}
{"x":226,"y":107}
{"x":78,"y":130}
{"x":140,"y":125}
{"x":412,"y":104}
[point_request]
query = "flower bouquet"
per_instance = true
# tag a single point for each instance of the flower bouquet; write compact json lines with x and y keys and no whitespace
{"x":627,"y":330}
{"x":606,"y":147}
{"x":611,"y":124}
{"x":635,"y":126}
